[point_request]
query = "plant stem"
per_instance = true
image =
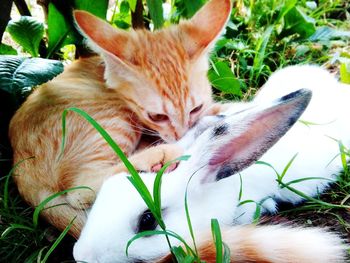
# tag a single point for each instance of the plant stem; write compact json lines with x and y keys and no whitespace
{"x":5,"y":15}
{"x":22,"y":7}
{"x":137,"y":16}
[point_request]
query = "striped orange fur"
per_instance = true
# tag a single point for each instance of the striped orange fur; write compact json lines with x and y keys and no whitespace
{"x":141,"y":81}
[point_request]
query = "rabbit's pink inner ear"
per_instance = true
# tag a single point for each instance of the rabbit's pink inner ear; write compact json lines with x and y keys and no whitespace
{"x":241,"y":146}
{"x":263,"y":131}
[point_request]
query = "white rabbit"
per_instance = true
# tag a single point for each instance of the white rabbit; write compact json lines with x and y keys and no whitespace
{"x":218,"y":155}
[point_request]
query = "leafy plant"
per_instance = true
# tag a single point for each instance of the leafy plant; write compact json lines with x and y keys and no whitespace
{"x":28,"y":33}
{"x":18,"y":73}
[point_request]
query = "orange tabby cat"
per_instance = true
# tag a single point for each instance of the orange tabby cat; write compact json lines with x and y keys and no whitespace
{"x":141,"y":80}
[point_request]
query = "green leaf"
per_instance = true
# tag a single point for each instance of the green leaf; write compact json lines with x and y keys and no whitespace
{"x":326,"y":33}
{"x":345,"y":73}
{"x":7,"y":50}
{"x":19,"y":72}
{"x":27,"y":32}
{"x":132,"y":4}
{"x":156,"y":12}
{"x":60,"y":32}
{"x":298,"y":22}
{"x":222,"y":78}
{"x":288,"y":5}
{"x":192,"y":7}
{"x":95,"y":7}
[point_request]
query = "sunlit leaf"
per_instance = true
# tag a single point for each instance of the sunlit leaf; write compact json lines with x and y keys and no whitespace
{"x":28,"y":32}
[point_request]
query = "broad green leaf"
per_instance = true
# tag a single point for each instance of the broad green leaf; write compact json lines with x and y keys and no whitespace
{"x":19,"y":72}
{"x":132,"y":4}
{"x":156,"y":12}
{"x":298,"y":22}
{"x":326,"y":33}
{"x":192,"y":7}
{"x":222,"y":78}
{"x":288,"y":5}
{"x":28,"y":32}
{"x":60,"y":32}
{"x":345,"y":73}
{"x":124,"y":7}
{"x":7,"y":50}
{"x":96,"y":7}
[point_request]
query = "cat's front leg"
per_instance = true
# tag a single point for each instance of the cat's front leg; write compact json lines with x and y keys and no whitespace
{"x":152,"y":159}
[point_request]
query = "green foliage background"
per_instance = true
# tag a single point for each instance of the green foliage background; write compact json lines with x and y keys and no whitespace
{"x":261,"y":36}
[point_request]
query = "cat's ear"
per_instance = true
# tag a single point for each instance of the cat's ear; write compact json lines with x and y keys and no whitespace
{"x":111,"y":43}
{"x":243,"y":138}
{"x":205,"y":26}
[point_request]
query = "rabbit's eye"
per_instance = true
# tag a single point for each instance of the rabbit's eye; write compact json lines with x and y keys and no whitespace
{"x":146,"y":222}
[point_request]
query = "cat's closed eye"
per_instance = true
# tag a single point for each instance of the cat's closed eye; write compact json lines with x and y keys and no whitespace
{"x":196,"y":109}
{"x":156,"y":117}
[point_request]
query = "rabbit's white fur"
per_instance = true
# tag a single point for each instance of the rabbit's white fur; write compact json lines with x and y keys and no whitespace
{"x":114,"y":217}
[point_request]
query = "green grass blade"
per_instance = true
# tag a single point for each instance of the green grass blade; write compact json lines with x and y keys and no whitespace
{"x":137,"y":179}
{"x":240,"y":187}
{"x":7,"y":181}
{"x":14,"y":227}
{"x":261,"y":53}
{"x":158,"y":182}
{"x":287,"y":166}
{"x":269,"y":165}
{"x":158,"y":232}
{"x":179,"y":253}
{"x":216,"y":232}
{"x":308,"y":178}
{"x":42,"y":205}
{"x":227,"y":253}
{"x":58,"y":240}
{"x":149,"y":202}
{"x":343,"y":156}
{"x":309,"y":198}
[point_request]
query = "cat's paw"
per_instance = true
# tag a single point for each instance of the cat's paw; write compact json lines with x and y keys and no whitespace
{"x":153,"y":159}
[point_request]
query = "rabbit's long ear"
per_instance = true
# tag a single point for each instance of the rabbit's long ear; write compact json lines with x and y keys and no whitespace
{"x":243,"y":138}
